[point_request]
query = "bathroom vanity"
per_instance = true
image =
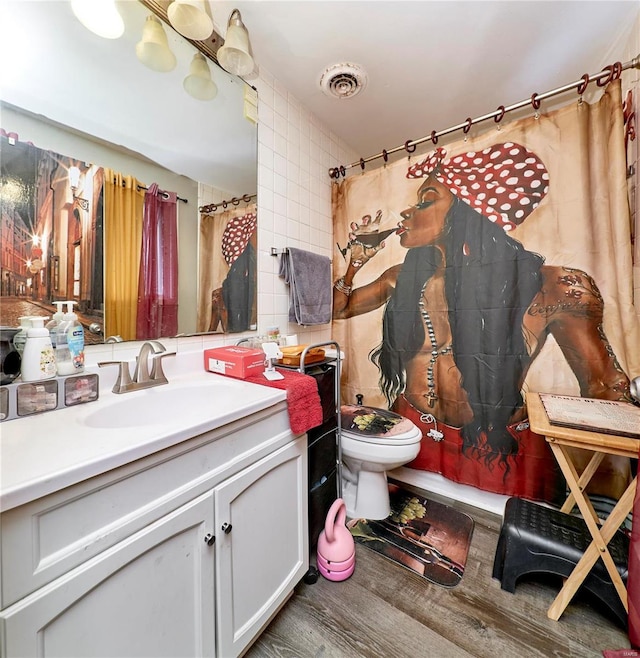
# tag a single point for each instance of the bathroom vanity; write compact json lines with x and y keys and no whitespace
{"x":178,"y":534}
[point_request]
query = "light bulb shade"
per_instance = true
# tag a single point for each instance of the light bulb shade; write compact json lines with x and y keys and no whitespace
{"x":153,"y":51}
{"x":100,"y":17}
{"x":234,"y":55}
{"x":190,"y":19}
{"x":199,"y":83}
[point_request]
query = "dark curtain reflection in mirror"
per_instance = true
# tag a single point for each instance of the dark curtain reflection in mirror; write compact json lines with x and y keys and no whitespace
{"x":227,"y":294}
{"x":52,"y":230}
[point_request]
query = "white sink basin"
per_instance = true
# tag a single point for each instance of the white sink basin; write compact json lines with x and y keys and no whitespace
{"x":166,"y":405}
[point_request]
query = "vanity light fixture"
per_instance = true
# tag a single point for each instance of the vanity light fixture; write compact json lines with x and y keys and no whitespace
{"x":234,"y":56}
{"x":153,"y":50}
{"x":190,"y":18}
{"x":100,"y":17}
{"x":199,"y":83}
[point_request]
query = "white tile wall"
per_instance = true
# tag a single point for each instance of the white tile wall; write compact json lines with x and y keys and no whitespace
{"x":295,"y":152}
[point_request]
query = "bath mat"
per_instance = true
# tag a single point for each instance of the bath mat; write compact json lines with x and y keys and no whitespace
{"x":427,"y":537}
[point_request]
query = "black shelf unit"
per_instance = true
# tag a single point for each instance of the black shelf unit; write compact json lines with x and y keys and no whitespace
{"x":324,"y":454}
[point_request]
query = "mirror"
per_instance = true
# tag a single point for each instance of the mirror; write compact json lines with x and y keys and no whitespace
{"x":90,"y":99}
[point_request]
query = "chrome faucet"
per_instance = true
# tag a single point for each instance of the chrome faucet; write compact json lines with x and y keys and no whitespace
{"x":142,"y":378}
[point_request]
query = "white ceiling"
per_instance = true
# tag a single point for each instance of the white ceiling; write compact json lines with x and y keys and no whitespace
{"x":430,"y":64}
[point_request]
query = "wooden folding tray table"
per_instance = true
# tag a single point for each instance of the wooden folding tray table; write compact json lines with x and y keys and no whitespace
{"x":560,"y":439}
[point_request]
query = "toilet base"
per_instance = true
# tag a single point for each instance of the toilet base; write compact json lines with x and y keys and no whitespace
{"x":369,"y":498}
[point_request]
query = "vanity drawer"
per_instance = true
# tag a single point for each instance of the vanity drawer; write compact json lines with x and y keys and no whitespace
{"x":46,"y":538}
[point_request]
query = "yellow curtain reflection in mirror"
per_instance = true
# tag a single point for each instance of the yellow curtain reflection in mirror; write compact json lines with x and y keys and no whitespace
{"x":123,"y":204}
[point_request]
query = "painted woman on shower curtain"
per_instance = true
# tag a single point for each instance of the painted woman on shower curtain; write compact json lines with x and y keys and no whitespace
{"x":463,"y":310}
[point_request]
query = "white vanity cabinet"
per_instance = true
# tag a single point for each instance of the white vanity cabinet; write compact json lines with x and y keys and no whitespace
{"x":188,"y":552}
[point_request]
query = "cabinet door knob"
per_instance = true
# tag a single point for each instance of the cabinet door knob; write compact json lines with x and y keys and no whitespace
{"x":226,"y":528}
{"x":210,"y":539}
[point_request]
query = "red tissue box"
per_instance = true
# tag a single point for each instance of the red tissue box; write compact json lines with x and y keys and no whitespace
{"x":234,"y":361}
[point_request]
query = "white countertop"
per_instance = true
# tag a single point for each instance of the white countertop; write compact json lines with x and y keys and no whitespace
{"x":45,"y":452}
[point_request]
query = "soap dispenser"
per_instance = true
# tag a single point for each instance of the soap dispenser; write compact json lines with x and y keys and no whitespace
{"x":70,"y":343}
{"x":38,"y":358}
{"x":52,"y":325}
{"x":21,"y":337}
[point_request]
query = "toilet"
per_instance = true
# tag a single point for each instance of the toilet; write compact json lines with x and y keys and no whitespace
{"x":373,"y":441}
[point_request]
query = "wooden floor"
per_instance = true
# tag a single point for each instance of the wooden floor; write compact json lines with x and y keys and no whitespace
{"x":386,"y":611}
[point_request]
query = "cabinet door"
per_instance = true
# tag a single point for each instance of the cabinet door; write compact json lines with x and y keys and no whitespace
{"x":150,"y":595}
{"x":264,"y":551}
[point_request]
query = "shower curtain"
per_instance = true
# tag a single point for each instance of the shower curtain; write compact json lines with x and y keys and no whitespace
{"x":227,"y":274}
{"x":510,"y":271}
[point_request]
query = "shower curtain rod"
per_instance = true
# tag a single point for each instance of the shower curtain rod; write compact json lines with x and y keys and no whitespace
{"x":608,"y":73}
{"x":142,"y":187}
{"x":212,"y":207}
{"x":166,"y":195}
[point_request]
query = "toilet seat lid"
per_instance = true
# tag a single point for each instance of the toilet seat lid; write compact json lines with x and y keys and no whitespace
{"x":373,"y":425}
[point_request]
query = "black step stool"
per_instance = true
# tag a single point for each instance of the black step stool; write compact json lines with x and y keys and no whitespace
{"x":537,"y":539}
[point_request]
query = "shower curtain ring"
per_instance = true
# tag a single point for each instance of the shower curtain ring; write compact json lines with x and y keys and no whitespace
{"x":246,"y":198}
{"x":343,"y":171}
{"x":235,"y":201}
{"x":434,"y":137}
{"x":362,"y":164}
{"x":604,"y":82}
{"x":582,"y":87}
{"x":385,"y":155}
{"x":535,"y":103}
{"x":617,"y":70}
{"x":467,"y":128}
{"x":225,"y":204}
{"x":407,"y":148}
{"x":498,"y":118}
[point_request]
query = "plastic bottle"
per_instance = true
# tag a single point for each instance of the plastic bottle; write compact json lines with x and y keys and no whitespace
{"x":21,"y":337}
{"x":52,"y":325}
{"x":38,"y":358}
{"x":70,"y":343}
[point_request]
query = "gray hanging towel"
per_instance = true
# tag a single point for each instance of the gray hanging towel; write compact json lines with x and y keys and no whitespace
{"x":310,"y":292}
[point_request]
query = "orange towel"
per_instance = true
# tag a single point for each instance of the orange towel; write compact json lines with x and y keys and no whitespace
{"x":303,"y":399}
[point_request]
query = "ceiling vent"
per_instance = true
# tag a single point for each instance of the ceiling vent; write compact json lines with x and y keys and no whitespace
{"x":343,"y":80}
